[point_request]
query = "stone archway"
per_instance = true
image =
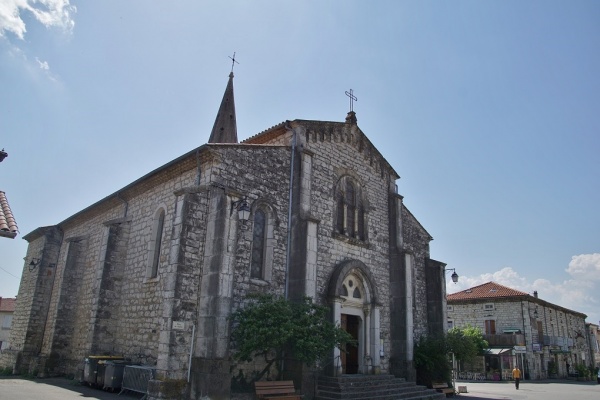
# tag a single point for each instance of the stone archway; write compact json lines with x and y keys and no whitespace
{"x":354,"y":300}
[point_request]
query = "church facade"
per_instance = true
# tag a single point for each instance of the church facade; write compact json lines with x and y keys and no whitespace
{"x":153,"y":271}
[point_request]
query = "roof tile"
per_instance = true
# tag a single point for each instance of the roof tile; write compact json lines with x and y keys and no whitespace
{"x":7,"y":305}
{"x":8,"y":225}
{"x":490,"y":290}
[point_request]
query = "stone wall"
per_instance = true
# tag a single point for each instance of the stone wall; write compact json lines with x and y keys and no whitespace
{"x":105,"y":300}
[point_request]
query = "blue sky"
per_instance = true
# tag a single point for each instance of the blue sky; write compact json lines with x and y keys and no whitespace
{"x":489,"y":111}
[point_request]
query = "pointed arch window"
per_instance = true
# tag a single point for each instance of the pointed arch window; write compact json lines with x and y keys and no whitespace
{"x":261,"y":256}
{"x":340,"y":212}
{"x":350,"y":208}
{"x":350,"y":214}
{"x":258,"y":245}
{"x":155,"y":244}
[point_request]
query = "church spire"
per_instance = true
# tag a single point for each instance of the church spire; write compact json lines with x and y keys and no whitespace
{"x":225,"y":127}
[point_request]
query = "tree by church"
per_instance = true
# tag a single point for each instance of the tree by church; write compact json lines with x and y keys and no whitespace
{"x":273,"y":328}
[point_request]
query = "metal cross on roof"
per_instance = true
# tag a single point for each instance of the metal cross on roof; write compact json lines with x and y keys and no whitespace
{"x":352,"y":99}
{"x":233,"y":62}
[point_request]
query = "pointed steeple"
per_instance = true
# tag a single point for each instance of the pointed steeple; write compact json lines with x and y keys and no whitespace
{"x":225,"y":127}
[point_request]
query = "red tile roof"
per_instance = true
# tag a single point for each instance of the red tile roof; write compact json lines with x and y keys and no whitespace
{"x":490,"y":290}
{"x":7,"y":305}
{"x":8,"y":225}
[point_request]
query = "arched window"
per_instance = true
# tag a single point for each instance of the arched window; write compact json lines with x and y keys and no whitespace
{"x":258,"y":245}
{"x":350,"y":215}
{"x":263,"y":231}
{"x":155,"y":244}
{"x":350,"y":208}
{"x":340,"y":212}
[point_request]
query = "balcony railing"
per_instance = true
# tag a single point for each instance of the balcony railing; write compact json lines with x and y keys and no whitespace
{"x":505,"y":339}
{"x":558,"y":341}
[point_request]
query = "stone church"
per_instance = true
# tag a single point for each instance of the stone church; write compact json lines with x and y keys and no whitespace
{"x":153,"y":271}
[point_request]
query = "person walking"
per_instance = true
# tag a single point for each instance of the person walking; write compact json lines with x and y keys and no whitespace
{"x":516,"y":373}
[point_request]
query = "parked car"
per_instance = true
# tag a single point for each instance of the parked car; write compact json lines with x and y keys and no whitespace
{"x":599,"y":376}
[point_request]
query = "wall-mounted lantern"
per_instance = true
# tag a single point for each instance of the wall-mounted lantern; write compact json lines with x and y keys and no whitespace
{"x":242,"y":208}
{"x":34,"y":263}
{"x":454,"y":275}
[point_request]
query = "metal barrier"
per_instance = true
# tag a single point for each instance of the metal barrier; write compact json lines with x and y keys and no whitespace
{"x":113,"y":374}
{"x":136,"y":379}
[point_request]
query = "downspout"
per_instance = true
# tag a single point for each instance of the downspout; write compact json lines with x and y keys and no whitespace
{"x":524,"y":336}
{"x":289,"y":231}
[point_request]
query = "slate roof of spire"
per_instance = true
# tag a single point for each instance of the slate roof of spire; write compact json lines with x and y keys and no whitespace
{"x":225,"y":128}
{"x":8,"y":225}
{"x":490,"y":290}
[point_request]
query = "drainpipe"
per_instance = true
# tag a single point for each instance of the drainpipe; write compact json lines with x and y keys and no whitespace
{"x":289,"y":231}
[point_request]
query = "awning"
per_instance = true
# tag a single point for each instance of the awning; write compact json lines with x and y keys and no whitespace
{"x":497,"y":352}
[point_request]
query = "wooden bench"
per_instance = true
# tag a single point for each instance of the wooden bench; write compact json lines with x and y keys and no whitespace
{"x":276,"y":390}
{"x":442,"y":387}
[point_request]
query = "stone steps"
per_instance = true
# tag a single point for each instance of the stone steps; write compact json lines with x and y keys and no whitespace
{"x":377,"y":387}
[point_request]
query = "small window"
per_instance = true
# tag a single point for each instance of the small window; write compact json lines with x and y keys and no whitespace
{"x":7,"y":322}
{"x":450,"y":324}
{"x":449,"y":308}
{"x":488,"y":307}
{"x":490,"y":327}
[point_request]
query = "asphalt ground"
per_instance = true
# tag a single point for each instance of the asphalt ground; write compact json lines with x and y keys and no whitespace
{"x":14,"y":388}
{"x":552,"y":389}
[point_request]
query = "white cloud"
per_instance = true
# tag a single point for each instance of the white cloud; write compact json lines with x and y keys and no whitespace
{"x":51,"y":13}
{"x":577,"y":294}
{"x":585,"y":266}
{"x":43,"y":64}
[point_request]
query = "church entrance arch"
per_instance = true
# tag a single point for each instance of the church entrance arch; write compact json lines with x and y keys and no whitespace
{"x":353,"y":296}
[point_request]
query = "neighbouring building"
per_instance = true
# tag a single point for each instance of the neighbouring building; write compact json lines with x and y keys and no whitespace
{"x":594,"y":345}
{"x":7,"y":309}
{"x":545,"y":340}
{"x":153,"y":271}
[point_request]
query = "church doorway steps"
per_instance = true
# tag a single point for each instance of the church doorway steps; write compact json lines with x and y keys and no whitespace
{"x":363,"y":387}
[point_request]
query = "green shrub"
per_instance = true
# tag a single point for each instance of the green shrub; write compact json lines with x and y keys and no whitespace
{"x":431,"y":361}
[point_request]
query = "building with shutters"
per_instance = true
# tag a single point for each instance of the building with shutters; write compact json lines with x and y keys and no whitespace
{"x":545,"y":340}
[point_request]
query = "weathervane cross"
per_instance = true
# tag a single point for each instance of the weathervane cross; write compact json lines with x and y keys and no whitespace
{"x":233,"y":62}
{"x":352,"y":99}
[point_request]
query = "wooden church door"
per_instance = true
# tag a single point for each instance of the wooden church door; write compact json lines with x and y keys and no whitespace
{"x":349,"y":357}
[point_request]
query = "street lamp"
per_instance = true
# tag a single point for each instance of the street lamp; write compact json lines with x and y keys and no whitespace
{"x":454,"y":275}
